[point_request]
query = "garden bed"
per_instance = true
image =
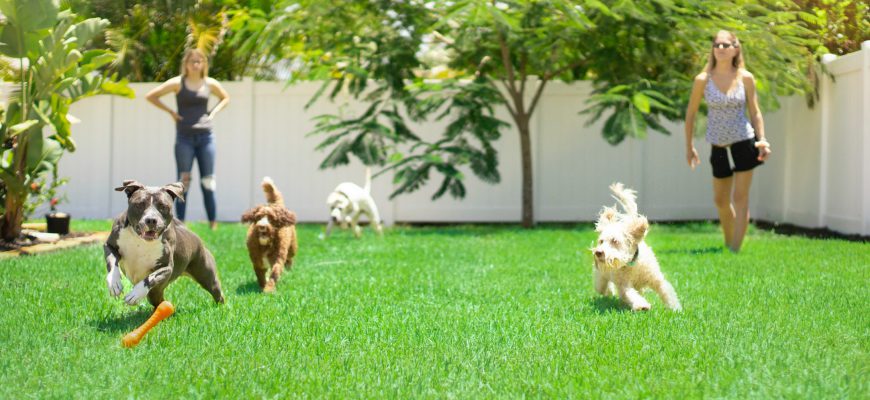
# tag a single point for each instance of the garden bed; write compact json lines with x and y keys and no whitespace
{"x":31,"y":246}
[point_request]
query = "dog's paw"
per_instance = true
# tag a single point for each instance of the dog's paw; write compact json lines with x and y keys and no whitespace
{"x":640,"y":307}
{"x":270,"y":287}
{"x":137,"y":294}
{"x":113,"y":281}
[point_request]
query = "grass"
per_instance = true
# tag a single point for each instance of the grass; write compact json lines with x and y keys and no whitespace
{"x":464,"y":312}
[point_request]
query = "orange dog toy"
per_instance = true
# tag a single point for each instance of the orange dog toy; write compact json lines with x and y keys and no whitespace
{"x":163,"y":311}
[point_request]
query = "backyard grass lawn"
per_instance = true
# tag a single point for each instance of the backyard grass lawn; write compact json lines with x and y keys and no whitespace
{"x":465,"y":312}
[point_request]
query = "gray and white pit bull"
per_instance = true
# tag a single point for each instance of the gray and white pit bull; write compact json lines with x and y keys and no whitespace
{"x":153,"y":248}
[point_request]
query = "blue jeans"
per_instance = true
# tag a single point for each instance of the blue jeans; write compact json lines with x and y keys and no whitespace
{"x":202,"y":148}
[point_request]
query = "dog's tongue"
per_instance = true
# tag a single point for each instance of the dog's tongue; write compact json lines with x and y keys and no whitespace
{"x":149,"y":235}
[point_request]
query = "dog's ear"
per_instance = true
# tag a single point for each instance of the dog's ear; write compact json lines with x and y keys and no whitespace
{"x":176,"y":190}
{"x":250,"y":216}
{"x":638,"y":227}
{"x":129,"y":187}
{"x":283,"y":217}
{"x":606,"y":217}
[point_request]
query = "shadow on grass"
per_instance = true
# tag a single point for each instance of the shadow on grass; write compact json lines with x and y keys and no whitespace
{"x":704,"y":250}
{"x":251,"y":287}
{"x":125,"y":322}
{"x":477,"y":230}
{"x":607,"y":304}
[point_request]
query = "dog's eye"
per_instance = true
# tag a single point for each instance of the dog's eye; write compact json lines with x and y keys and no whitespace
{"x":614,"y":242}
{"x":600,"y":241}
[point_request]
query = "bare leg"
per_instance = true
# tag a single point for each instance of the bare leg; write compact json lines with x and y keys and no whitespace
{"x":722,"y":198}
{"x":742,"y":182}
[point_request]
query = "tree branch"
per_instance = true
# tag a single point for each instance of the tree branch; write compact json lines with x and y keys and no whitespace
{"x":506,"y":102}
{"x":506,"y":60}
{"x":551,"y":75}
{"x":537,"y":96}
{"x":523,"y":64}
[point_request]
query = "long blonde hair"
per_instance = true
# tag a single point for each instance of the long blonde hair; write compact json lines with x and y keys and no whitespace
{"x":190,"y":53}
{"x":736,"y":62}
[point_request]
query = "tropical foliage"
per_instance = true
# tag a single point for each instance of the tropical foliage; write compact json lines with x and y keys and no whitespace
{"x":841,"y":25}
{"x":53,"y":71}
{"x":639,"y":55}
{"x":150,"y":36}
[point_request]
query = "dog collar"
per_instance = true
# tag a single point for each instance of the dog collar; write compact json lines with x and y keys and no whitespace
{"x":633,"y":260}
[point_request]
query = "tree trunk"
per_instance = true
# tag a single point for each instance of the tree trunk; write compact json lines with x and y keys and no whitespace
{"x":526,"y":152}
{"x":13,"y":217}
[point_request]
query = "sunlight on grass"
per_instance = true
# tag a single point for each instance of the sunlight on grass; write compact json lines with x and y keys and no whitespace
{"x":457,"y":311}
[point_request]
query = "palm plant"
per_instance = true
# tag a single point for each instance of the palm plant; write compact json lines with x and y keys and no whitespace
{"x":53,"y":72}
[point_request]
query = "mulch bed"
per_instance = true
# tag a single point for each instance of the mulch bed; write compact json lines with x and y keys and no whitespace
{"x":815,"y":233}
{"x":25,"y":246}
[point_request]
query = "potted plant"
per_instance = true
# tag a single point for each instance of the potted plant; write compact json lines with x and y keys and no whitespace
{"x":45,"y":191}
{"x":55,"y":221}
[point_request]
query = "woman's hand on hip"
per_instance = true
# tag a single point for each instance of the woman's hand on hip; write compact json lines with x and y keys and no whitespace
{"x":175,"y":116}
{"x":763,"y":149}
{"x":692,"y":157}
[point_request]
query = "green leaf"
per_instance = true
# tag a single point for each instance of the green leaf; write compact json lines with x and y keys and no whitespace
{"x":85,"y":30}
{"x":26,"y":22}
{"x":21,"y":127}
{"x":117,"y":88}
{"x":641,"y":102}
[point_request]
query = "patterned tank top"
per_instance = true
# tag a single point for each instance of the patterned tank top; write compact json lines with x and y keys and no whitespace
{"x":193,"y":109}
{"x":726,"y":115}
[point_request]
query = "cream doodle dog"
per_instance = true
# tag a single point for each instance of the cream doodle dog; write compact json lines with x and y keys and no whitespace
{"x":624,"y":263}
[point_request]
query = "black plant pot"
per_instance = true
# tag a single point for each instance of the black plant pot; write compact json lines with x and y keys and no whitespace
{"x":57,"y":223}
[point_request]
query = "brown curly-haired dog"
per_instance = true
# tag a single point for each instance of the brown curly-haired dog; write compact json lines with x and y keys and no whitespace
{"x":271,"y":237}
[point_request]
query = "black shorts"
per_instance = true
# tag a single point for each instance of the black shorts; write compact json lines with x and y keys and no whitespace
{"x":745,"y":156}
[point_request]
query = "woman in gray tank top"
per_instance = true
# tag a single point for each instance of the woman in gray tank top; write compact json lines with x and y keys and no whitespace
{"x":729,"y":90}
{"x":193,"y":125}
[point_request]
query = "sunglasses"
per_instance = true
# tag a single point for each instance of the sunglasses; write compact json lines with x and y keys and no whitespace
{"x":724,"y":45}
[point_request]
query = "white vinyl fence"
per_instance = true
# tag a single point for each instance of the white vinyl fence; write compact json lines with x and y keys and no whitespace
{"x":817,"y":176}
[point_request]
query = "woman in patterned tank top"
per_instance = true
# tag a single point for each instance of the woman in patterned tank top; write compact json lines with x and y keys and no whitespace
{"x":729,"y":90}
{"x":193,"y":126}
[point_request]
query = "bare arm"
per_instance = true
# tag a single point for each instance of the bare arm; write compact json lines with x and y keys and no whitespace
{"x":755,"y":116}
{"x":170,"y":86}
{"x":221,"y":94}
{"x":691,"y":112}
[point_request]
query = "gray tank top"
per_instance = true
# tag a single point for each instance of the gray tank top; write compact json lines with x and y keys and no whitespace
{"x":193,"y":109}
{"x":726,"y":115}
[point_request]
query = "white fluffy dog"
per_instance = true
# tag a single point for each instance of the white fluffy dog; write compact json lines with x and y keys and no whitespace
{"x":623,"y":261}
{"x":348,"y":202}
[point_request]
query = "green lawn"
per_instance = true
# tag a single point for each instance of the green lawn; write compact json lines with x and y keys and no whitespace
{"x":460,"y":312}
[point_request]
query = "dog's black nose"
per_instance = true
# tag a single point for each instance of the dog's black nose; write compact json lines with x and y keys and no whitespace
{"x":150,"y":221}
{"x":599,"y":253}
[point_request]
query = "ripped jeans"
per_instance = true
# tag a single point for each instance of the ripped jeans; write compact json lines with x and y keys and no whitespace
{"x":202,"y":148}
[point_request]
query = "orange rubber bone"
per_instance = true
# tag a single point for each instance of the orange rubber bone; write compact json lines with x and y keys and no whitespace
{"x":163,"y":311}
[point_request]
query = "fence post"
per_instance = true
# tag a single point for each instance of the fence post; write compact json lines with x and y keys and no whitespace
{"x":823,"y":143}
{"x":865,"y":123}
